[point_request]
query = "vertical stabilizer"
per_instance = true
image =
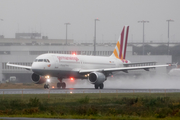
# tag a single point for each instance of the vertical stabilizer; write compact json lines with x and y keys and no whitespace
{"x":121,"y":45}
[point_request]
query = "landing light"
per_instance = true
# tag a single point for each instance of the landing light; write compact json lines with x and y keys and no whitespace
{"x":74,"y":53}
{"x":52,"y":86}
{"x":47,"y":77}
{"x":48,"y":80}
{"x":71,"y":78}
{"x":86,"y":75}
{"x":71,"y":92}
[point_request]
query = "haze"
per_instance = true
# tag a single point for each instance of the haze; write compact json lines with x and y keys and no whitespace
{"x":48,"y":17}
{"x":156,"y":82}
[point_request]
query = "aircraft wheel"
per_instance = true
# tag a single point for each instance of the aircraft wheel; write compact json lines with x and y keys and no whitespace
{"x":58,"y":85}
{"x":44,"y":86}
{"x":47,"y":86}
{"x":96,"y":86}
{"x":101,"y":86}
{"x":63,"y":85}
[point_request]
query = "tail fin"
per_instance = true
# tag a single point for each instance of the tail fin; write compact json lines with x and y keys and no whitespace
{"x":120,"y":48}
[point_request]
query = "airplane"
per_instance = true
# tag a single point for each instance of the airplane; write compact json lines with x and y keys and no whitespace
{"x":94,"y":68}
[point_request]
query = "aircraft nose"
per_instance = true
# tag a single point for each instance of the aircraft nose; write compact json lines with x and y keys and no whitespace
{"x":35,"y":66}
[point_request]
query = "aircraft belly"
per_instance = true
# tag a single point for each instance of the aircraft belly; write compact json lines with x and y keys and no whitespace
{"x":58,"y":73}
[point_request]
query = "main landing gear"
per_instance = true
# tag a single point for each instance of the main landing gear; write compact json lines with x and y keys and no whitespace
{"x":61,"y":84}
{"x":101,"y":86}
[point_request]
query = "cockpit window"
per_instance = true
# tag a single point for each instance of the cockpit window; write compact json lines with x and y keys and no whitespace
{"x":41,"y":60}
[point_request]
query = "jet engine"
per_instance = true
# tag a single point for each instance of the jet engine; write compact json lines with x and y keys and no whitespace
{"x":97,"y":77}
{"x":37,"y":79}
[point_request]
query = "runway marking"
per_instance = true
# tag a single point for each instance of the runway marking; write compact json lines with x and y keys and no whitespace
{"x":84,"y":90}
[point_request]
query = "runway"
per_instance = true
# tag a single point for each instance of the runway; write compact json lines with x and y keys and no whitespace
{"x":84,"y":90}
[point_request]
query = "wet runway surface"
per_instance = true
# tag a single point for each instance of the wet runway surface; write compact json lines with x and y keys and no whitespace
{"x":84,"y":90}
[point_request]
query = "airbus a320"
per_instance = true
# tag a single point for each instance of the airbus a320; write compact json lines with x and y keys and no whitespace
{"x":94,"y":68}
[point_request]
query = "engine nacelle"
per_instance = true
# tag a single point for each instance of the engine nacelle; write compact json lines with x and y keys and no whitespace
{"x":37,"y":79}
{"x":97,"y":77}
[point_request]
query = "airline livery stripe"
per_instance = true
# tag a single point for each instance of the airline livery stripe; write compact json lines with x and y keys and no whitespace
{"x":124,"y":42}
{"x":127,"y":31}
{"x":122,"y":38}
{"x":115,"y":53}
{"x":118,"y":46}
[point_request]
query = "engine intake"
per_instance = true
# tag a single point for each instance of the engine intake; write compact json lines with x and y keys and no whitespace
{"x":97,"y":77}
{"x":37,"y":79}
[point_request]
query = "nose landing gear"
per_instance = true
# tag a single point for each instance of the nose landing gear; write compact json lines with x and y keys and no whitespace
{"x":46,"y":86}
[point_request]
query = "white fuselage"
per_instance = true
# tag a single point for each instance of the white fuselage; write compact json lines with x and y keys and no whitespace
{"x":63,"y":65}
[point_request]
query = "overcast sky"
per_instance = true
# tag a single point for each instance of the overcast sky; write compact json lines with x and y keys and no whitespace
{"x":49,"y":16}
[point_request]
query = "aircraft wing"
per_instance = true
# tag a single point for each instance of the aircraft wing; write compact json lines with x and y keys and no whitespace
{"x":124,"y":69}
{"x":20,"y":66}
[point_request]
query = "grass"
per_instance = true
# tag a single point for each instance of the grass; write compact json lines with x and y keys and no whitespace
{"x":21,"y":86}
{"x":135,"y":106}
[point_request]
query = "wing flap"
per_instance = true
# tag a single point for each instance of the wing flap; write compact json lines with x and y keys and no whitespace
{"x":139,"y":64}
{"x":19,"y":66}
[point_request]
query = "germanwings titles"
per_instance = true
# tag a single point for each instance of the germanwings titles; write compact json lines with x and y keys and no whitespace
{"x":96,"y":69}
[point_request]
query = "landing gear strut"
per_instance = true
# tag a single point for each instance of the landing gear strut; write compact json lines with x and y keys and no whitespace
{"x":61,"y":84}
{"x":101,"y":86}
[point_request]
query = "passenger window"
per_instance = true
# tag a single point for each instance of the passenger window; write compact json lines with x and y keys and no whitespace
{"x":40,"y":60}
